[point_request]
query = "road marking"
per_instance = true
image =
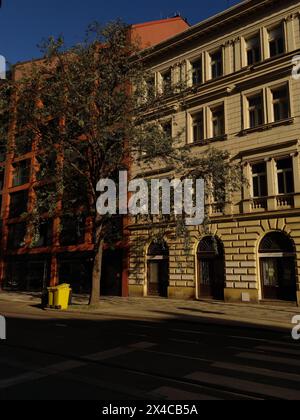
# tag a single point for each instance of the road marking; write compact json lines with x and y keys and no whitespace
{"x":180,"y":356}
{"x":258,"y":371}
{"x":175,"y":394}
{"x":270,"y":359}
{"x":245,"y":386}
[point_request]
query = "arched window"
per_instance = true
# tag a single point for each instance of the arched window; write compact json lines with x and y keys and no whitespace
{"x":158,"y":249}
{"x":210,"y":246}
{"x":276,"y":242}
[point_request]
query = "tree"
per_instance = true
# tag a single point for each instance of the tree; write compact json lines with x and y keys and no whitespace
{"x":89,"y":110}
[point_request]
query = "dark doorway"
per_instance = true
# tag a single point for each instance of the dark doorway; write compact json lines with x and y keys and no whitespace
{"x":211,"y":268}
{"x":158,"y":269}
{"x":112,"y":269}
{"x":278,"y":267}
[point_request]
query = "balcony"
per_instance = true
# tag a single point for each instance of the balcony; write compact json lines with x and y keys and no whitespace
{"x":272,"y":203}
{"x":259,"y":204}
{"x":285,"y":201}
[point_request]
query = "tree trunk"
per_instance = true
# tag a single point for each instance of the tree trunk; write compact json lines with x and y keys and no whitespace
{"x":96,"y":279}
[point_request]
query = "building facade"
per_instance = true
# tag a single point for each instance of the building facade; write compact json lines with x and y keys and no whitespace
{"x":64,"y":250}
{"x":243,"y":98}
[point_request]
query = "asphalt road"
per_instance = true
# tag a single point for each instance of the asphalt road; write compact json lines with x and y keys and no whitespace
{"x":113,"y":359}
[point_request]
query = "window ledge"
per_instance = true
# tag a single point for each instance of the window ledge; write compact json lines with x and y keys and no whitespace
{"x":208,"y":141}
{"x":265,"y":127}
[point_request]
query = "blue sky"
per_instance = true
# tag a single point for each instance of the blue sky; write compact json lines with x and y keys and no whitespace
{"x":24,"y":23}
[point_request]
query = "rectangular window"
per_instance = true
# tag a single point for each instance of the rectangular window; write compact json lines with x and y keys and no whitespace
{"x":16,"y":235}
{"x":150,"y":86}
{"x":253,"y":50}
{"x":285,"y":176}
{"x":18,"y":203}
{"x":255,"y":109}
{"x":166,"y":81}
{"x":21,"y":173}
{"x":276,"y":41}
{"x":197,"y":72}
{"x":198,"y":127}
{"x":259,"y":180}
{"x":281,"y":105}
{"x":167,"y":128}
{"x":218,"y":121}
{"x":73,"y":231}
{"x":216,"y":64}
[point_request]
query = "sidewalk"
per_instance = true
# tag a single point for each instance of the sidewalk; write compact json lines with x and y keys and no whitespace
{"x":269,"y":316}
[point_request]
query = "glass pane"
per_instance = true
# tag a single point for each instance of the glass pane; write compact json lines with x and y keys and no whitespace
{"x":205,"y":275}
{"x":289,"y":182}
{"x":281,"y":187}
{"x":284,"y":164}
{"x":270,"y":273}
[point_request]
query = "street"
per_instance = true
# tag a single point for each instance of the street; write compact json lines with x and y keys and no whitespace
{"x":81,"y":357}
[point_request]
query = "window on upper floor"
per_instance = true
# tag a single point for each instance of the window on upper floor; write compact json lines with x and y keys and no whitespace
{"x":255,"y":110}
{"x":72,"y":231}
{"x":16,"y":235}
{"x":218,"y":121}
{"x":253,"y":50}
{"x":166,"y":78}
{"x":259,"y":180}
{"x":276,"y":40}
{"x":285,"y":176}
{"x":18,"y":203}
{"x":197,"y":77}
{"x":216,"y":64}
{"x":281,"y":103}
{"x":21,"y":173}
{"x":198,"y":127}
{"x":167,"y":127}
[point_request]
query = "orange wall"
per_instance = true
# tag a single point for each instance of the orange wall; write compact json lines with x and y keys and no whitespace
{"x":152,"y":33}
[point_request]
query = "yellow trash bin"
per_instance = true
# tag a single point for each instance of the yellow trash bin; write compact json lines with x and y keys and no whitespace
{"x":62,"y":296}
{"x":51,"y":293}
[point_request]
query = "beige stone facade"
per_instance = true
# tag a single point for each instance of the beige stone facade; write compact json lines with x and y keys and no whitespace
{"x":243,"y":99}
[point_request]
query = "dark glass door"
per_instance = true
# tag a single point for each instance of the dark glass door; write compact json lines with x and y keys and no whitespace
{"x":212,"y":278}
{"x":278,"y":278}
{"x":158,"y":278}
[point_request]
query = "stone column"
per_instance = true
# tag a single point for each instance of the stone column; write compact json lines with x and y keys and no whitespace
{"x":272,"y":184}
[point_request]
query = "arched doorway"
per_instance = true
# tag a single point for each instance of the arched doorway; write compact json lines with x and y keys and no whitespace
{"x":158,"y":269}
{"x":211,"y":268}
{"x":277,"y":267}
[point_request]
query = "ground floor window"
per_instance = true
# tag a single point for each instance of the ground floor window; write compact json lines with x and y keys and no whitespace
{"x":278,"y":267}
{"x":27,"y":274}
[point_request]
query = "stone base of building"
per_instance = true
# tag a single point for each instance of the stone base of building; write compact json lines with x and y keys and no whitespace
{"x":241,"y":296}
{"x":136,"y":290}
{"x":184,"y":293}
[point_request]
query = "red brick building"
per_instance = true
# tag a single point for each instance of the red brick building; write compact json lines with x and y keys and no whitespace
{"x":63,"y":253}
